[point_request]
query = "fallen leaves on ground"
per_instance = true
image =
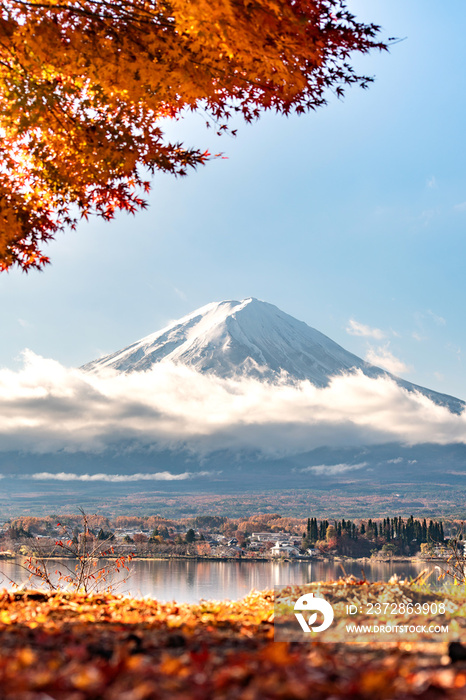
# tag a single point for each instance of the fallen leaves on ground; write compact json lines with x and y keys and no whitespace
{"x":107,"y":647}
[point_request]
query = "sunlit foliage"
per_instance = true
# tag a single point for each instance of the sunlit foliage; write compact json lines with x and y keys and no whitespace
{"x":110,"y":647}
{"x":84,"y":85}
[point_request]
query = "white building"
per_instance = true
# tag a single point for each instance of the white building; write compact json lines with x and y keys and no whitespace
{"x":281,"y":549}
{"x":269,"y":536}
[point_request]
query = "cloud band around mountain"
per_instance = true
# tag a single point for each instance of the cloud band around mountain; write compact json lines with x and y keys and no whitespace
{"x":45,"y":407}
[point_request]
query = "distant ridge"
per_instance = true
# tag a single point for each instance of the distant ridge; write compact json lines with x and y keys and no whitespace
{"x":250,"y":338}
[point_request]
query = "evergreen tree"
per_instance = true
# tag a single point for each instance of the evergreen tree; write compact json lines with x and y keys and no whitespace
{"x":190,"y":536}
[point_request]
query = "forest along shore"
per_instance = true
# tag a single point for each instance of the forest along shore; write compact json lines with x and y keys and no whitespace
{"x":260,"y":536}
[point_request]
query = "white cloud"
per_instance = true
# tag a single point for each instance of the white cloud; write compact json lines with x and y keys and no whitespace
{"x":439,"y":320}
{"x":23,"y":323}
{"x":179,"y":293}
{"x":432,"y":183}
{"x":460,"y":207}
{"x":356,"y":328}
{"x":428,"y":315}
{"x":330,"y":469}
{"x":383,"y":357}
{"x":117,"y":478}
{"x":427,"y":215}
{"x":45,"y":407}
{"x":456,"y":350}
{"x":397,"y":460}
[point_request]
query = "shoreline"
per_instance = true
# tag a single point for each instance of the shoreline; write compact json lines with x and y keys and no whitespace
{"x":200,"y":558}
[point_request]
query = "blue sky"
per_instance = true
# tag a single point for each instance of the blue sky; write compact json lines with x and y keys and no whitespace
{"x":354,"y":213}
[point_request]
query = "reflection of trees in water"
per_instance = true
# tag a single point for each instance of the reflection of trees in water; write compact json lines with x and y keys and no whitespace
{"x":12,"y":571}
{"x":190,"y":574}
{"x":189,"y":580}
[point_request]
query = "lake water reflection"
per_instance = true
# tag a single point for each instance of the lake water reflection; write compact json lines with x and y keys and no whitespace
{"x":188,"y":580}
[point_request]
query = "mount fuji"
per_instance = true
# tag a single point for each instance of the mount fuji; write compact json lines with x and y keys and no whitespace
{"x":251,"y":338}
{"x":236,"y":397}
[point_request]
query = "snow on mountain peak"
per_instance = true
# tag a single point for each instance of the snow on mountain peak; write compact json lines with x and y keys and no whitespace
{"x":249,"y":338}
{"x":231,"y":338}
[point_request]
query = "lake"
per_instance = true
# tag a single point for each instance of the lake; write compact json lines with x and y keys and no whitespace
{"x":189,"y":581}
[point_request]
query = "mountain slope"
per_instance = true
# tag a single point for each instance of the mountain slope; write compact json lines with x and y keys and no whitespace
{"x":250,"y":338}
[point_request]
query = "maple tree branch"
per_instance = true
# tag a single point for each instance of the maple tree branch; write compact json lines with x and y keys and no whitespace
{"x":111,"y":14}
{"x":83,"y":84}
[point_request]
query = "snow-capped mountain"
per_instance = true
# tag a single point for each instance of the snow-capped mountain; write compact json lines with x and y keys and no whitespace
{"x":116,"y":433}
{"x":250,"y":338}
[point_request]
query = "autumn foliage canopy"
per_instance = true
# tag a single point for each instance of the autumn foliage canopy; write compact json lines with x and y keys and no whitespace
{"x":85,"y":84}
